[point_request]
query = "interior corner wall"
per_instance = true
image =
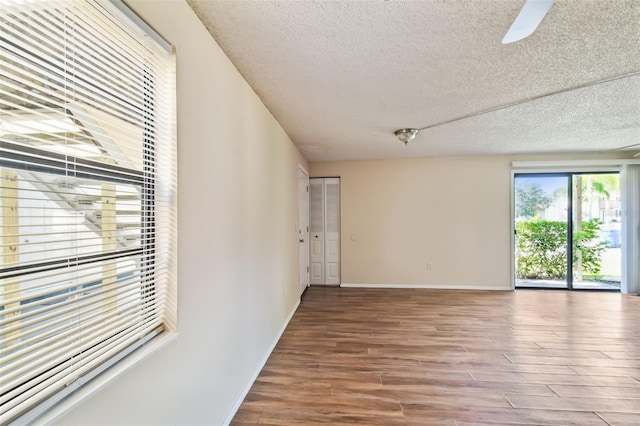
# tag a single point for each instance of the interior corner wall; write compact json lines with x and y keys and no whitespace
{"x":237,"y":238}
{"x":397,"y":216}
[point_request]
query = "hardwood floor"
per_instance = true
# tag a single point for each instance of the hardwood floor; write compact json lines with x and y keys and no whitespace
{"x":422,"y":357}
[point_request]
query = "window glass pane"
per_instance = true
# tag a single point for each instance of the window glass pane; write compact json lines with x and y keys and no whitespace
{"x":61,"y":217}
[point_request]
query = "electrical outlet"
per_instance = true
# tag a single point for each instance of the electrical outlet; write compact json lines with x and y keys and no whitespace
{"x":429,"y":265}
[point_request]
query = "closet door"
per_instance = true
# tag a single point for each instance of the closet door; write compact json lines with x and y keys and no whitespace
{"x":324,"y":194}
{"x":332,"y":230}
{"x":316,"y":230}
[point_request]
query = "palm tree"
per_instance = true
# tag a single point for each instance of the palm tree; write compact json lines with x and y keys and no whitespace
{"x":593,"y":187}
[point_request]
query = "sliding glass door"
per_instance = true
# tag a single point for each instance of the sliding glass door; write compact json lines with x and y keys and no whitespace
{"x":597,"y":252}
{"x":567,"y":231}
{"x":541,"y":224}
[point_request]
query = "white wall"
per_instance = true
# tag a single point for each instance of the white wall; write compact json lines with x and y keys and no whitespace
{"x":398,"y":215}
{"x":238,"y":249}
{"x":454,"y":212}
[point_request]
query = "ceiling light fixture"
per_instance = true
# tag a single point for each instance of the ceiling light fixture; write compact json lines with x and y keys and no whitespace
{"x":406,"y":135}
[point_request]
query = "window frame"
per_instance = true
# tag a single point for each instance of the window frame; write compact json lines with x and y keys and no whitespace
{"x":20,"y":157}
{"x":630,"y":247}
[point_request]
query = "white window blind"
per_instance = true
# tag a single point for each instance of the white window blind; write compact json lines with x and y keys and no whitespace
{"x":87,"y":163}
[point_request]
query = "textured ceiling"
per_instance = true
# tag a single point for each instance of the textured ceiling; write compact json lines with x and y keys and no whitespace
{"x":342,"y":76}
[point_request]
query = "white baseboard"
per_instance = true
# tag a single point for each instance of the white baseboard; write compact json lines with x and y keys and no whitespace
{"x":255,"y":375}
{"x":427,"y":286}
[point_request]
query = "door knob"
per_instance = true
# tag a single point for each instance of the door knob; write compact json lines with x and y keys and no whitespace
{"x":302,"y":240}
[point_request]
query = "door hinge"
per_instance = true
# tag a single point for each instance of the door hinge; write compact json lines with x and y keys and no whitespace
{"x":307,"y":229}
{"x":307,"y":188}
{"x":307,"y":269}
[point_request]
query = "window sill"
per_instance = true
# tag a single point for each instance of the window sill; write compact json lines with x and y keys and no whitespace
{"x":114,"y":371}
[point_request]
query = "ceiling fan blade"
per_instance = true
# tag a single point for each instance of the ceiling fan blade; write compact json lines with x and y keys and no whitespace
{"x":527,"y":20}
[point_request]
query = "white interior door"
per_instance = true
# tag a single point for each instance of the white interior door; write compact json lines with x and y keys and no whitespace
{"x":303,"y":227}
{"x":332,"y":230}
{"x":325,"y":230}
{"x":316,"y":227}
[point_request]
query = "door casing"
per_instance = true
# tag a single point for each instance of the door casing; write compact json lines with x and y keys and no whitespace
{"x":303,"y":227}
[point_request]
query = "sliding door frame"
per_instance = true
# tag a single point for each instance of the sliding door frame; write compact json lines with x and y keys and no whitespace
{"x":561,"y":168}
{"x":568,"y":178}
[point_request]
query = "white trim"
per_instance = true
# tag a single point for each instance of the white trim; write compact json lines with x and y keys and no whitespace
{"x":247,"y":387}
{"x":512,"y":232}
{"x":586,"y":170}
{"x":114,"y":371}
{"x":426,"y":286}
{"x":570,"y":165}
{"x":301,"y":167}
{"x":303,"y":170}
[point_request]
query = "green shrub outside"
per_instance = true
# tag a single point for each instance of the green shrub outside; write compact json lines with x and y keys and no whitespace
{"x":541,"y":248}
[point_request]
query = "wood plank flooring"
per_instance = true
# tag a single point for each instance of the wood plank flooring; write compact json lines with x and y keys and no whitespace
{"x":440,"y":357}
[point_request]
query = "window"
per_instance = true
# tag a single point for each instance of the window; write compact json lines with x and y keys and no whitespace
{"x":87,"y":179}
